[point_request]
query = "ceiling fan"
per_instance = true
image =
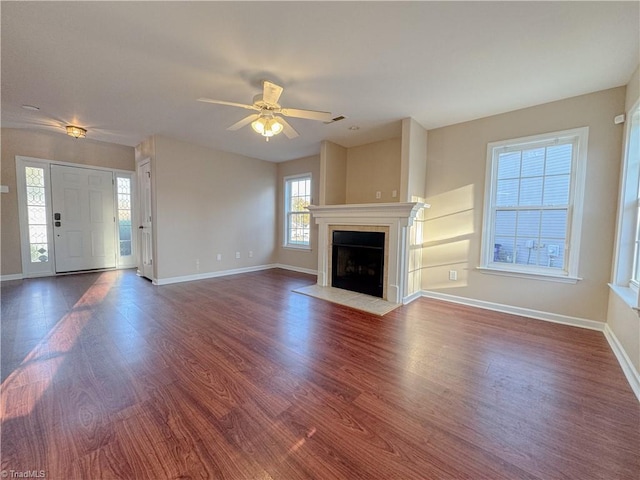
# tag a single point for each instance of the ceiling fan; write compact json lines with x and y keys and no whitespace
{"x":268,"y":120}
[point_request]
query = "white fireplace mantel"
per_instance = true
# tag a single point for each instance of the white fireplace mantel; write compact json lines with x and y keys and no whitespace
{"x":397,"y":217}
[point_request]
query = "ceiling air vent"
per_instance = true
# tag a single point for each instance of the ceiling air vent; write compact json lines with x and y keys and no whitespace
{"x":336,"y":119}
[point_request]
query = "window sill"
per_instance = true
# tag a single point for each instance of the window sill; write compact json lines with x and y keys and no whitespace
{"x":627,"y":295}
{"x":303,"y":248}
{"x":530,"y":275}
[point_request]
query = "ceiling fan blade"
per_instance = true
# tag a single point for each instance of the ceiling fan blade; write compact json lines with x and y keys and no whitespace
{"x":287,"y":129}
{"x":308,"y":114}
{"x":243,"y":122}
{"x":232,"y":104}
{"x":271,"y":92}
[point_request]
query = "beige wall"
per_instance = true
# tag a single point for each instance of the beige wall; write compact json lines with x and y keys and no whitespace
{"x":210,"y":202}
{"x":371,"y":168}
{"x":413,"y":169}
{"x":294,"y":257}
{"x":455,"y":190}
{"x":49,"y":146}
{"x":333,"y":174}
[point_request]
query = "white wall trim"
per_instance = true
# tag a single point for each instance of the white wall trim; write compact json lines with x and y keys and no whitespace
{"x":629,"y":370}
{"x":410,"y":298}
{"x":524,"y":312}
{"x":13,"y":276}
{"x":295,"y":269}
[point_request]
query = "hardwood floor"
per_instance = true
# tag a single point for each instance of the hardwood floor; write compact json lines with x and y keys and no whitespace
{"x":107,"y":376}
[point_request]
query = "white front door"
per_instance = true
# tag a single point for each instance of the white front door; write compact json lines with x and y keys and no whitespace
{"x":84,"y":219}
{"x":146,"y":238}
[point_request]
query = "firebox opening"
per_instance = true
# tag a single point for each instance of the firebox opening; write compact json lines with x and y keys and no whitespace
{"x":357,"y":261}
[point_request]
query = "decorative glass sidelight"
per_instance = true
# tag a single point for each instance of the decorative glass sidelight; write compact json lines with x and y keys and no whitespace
{"x":37,"y":214}
{"x":124,"y":215}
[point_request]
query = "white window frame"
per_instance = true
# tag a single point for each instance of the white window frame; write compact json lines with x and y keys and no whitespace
{"x":31,"y":269}
{"x":287,"y":212}
{"x":626,"y":260}
{"x":126,"y":261}
{"x":569,"y":273}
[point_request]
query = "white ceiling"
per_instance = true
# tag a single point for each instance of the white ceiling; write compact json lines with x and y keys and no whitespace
{"x":128,"y":70}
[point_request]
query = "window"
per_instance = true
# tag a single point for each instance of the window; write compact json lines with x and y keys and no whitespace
{"x":533,"y":204}
{"x":37,"y":214}
{"x":123,"y":185}
{"x":297,"y":196}
{"x":626,"y":275}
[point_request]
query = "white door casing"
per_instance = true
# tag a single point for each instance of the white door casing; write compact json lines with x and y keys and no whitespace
{"x":146,"y":235}
{"x":84,"y":218}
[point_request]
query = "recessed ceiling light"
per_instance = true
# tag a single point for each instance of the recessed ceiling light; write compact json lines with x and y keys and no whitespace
{"x":30,"y":107}
{"x":354,"y":127}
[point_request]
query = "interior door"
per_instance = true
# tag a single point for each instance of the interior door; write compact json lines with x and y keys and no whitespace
{"x":83,"y":218}
{"x":146,"y":236}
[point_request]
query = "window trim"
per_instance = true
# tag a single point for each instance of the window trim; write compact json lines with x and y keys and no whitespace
{"x":286,"y":211}
{"x":574,"y":212}
{"x":626,"y":222}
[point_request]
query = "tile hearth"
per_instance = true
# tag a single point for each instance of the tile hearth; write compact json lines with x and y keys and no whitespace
{"x":359,"y":301}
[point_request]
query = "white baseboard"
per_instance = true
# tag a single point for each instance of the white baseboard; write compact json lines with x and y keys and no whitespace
{"x":15,"y":276}
{"x":203,"y":276}
{"x":523,"y":312}
{"x":629,"y":370}
{"x":410,"y":298}
{"x":296,"y":269}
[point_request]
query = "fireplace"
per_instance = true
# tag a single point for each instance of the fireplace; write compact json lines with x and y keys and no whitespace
{"x":357,"y":261}
{"x":391,"y":219}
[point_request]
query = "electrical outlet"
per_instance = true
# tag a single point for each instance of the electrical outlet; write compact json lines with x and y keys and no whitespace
{"x":219,"y":257}
{"x":378,"y":195}
{"x":394,"y":194}
{"x":250,"y":253}
{"x":453,"y":275}
{"x":237,"y":254}
{"x":197,"y":264}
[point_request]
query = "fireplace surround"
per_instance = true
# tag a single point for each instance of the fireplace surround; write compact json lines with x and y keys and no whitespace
{"x":392,"y":219}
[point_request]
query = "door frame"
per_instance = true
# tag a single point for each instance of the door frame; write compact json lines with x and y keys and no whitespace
{"x":23,"y":161}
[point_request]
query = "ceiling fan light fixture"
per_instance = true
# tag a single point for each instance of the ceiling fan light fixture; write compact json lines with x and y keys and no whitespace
{"x":76,"y":132}
{"x":267,"y":125}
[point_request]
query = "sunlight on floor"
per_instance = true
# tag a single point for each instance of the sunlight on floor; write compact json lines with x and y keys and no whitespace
{"x":38,"y":369}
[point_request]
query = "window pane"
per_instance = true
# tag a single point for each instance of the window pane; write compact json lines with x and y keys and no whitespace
{"x":559,"y":159}
{"x":125,"y":248}
{"x":509,"y":165}
{"x":556,"y":190}
{"x":528,"y":224}
{"x":507,"y":193}
{"x":533,"y":162}
{"x":554,"y":224}
{"x":37,"y":234}
{"x":530,"y":191}
{"x":552,"y":255}
{"x":505,"y":223}
{"x":39,"y":252}
{"x":503,"y":249}
{"x":526,"y":251}
{"x":34,"y":176}
{"x":37,"y":215}
{"x":35,"y":196}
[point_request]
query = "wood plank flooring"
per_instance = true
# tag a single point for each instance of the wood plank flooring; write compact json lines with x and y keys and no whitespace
{"x":105,"y":376}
